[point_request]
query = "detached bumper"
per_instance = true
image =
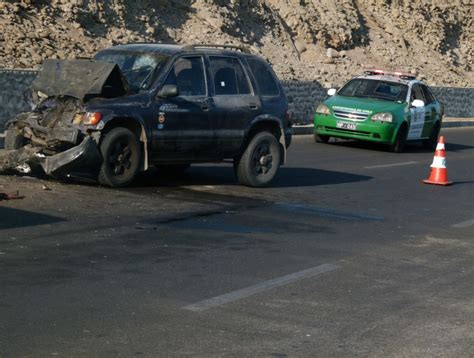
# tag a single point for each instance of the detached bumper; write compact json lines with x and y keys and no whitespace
{"x":84,"y":157}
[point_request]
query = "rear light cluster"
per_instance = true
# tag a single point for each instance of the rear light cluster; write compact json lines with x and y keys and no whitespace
{"x":400,"y":74}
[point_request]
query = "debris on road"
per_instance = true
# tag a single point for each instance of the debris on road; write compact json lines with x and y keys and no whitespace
{"x":5,"y":196}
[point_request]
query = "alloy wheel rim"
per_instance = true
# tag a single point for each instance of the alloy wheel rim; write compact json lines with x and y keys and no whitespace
{"x":262,"y":159}
{"x":119,"y":158}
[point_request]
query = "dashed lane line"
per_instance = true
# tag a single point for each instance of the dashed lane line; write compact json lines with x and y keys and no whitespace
{"x":464,"y":224}
{"x":260,"y":287}
{"x":390,"y":165}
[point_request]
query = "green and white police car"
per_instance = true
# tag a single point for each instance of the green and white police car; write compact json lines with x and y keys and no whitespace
{"x":380,"y":106}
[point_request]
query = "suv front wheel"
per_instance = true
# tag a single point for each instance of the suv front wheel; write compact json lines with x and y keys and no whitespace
{"x":121,"y":158}
{"x":260,"y":162}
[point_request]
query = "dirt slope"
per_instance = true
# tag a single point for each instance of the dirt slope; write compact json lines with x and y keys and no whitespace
{"x":320,"y":40}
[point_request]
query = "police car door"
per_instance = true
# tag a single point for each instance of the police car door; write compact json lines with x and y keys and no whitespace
{"x":430,"y":111}
{"x":417,"y":121}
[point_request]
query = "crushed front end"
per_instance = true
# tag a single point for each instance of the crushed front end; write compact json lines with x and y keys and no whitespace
{"x":50,"y":138}
{"x":56,"y":136}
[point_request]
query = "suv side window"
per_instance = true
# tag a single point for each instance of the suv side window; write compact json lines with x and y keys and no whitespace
{"x":265,"y":78}
{"x":188,"y":74}
{"x":229,"y":76}
{"x":417,"y":93}
{"x":429,"y":97}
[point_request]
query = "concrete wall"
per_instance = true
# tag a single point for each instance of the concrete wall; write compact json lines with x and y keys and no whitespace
{"x":14,"y":93}
{"x":302,"y":96}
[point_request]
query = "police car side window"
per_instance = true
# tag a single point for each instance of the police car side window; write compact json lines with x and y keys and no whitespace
{"x":188,"y":75}
{"x":417,"y":93}
{"x":428,"y":95}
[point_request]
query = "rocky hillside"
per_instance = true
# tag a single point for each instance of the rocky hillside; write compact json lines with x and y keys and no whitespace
{"x":316,"y":40}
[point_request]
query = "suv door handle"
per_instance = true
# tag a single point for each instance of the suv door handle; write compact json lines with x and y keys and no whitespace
{"x":205,"y":106}
{"x":253,"y":106}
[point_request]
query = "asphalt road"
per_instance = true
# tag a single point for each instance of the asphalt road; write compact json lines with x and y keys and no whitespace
{"x":348,"y":254}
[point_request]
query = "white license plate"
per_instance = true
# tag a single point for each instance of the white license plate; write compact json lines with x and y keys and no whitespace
{"x":345,"y":125}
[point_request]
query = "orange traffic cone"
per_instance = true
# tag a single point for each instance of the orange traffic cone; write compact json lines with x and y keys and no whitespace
{"x":439,"y":172}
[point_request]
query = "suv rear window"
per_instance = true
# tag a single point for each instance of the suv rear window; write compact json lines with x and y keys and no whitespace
{"x":264,"y":76}
{"x":229,"y":76}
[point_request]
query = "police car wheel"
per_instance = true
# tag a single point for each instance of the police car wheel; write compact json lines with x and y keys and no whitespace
{"x":319,"y":138}
{"x":433,"y":140}
{"x":401,"y":139}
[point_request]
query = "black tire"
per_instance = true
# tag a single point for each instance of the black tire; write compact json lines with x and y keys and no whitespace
{"x":13,"y":140}
{"x":260,"y":162}
{"x":432,"y":142}
{"x":319,"y":138}
{"x":172,"y":169}
{"x":121,"y":155}
{"x":399,"y":144}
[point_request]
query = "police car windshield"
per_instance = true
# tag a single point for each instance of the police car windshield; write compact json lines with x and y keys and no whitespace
{"x":139,"y":69}
{"x":367,"y":88}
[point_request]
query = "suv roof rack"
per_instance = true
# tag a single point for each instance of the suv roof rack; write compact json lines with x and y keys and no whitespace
{"x":243,"y":49}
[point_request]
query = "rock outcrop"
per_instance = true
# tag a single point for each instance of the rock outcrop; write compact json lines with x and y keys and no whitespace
{"x":316,"y":40}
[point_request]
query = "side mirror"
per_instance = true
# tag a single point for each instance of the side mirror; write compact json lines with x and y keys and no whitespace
{"x":417,"y":103}
{"x":332,"y":91}
{"x":168,"y":91}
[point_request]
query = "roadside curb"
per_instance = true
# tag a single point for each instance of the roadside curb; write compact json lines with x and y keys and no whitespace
{"x":447,"y":123}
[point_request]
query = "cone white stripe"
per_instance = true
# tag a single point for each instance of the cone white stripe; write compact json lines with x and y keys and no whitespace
{"x":439,"y":162}
{"x":440,"y":146}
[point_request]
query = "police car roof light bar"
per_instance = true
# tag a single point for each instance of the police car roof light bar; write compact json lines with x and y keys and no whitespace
{"x":400,"y":74}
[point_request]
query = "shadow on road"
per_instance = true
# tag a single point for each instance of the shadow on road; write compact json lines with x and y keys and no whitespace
{"x":415,"y":147}
{"x":224,"y":175}
{"x":15,"y":218}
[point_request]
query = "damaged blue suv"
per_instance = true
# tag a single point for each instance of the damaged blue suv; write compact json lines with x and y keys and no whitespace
{"x":138,"y":105}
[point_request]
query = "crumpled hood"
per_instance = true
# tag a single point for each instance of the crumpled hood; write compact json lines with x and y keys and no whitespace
{"x":81,"y":79}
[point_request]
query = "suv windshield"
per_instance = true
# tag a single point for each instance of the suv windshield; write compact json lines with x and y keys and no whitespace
{"x":361,"y":87}
{"x":139,"y":69}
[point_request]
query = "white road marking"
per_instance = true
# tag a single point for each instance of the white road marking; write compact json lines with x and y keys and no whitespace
{"x":260,"y":287}
{"x":390,"y":165}
{"x":464,"y":224}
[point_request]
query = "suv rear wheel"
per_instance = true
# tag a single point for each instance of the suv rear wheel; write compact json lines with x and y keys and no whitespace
{"x":121,"y":158}
{"x":260,"y":162}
